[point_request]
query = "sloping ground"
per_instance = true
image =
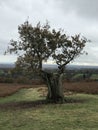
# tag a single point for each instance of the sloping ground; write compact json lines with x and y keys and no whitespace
{"x":27,"y":110}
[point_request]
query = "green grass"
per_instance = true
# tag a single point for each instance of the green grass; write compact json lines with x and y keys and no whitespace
{"x":81,"y":115}
{"x":30,"y":94}
{"x":94,"y":77}
{"x":77,"y":76}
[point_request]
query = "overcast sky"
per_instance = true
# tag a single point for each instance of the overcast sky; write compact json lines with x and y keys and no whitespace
{"x":74,"y":16}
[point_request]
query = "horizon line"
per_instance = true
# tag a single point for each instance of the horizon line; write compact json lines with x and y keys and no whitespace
{"x":56,"y":64}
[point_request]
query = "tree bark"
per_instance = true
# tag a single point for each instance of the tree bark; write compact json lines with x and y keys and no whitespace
{"x":55,"y":87}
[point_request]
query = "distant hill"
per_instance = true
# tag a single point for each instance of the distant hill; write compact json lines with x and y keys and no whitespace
{"x":70,"y":67}
{"x":50,"y":66}
{"x":7,"y":65}
{"x":81,"y":67}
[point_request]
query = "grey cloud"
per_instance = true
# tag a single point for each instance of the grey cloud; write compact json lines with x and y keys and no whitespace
{"x":74,"y":16}
{"x":92,"y":56}
{"x":83,"y":8}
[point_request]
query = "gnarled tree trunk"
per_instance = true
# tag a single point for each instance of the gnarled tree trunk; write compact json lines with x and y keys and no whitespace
{"x":55,"y":87}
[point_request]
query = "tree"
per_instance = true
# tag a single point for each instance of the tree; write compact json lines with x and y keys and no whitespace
{"x":37,"y":44}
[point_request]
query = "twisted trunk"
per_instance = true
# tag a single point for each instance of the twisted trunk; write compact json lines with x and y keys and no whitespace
{"x":55,"y":87}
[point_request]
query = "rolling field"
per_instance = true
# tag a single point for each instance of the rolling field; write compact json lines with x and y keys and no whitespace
{"x":26,"y":109}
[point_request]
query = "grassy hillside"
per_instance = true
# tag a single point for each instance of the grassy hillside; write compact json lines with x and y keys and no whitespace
{"x":24,"y":111}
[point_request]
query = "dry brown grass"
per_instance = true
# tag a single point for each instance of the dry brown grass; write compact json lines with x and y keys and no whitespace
{"x":82,"y":87}
{"x":9,"y":89}
{"x":79,"y":87}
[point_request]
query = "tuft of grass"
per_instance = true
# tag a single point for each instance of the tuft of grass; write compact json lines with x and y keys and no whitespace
{"x":80,"y":112}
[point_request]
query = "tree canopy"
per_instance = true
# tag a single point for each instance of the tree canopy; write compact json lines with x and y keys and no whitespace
{"x":36,"y":44}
